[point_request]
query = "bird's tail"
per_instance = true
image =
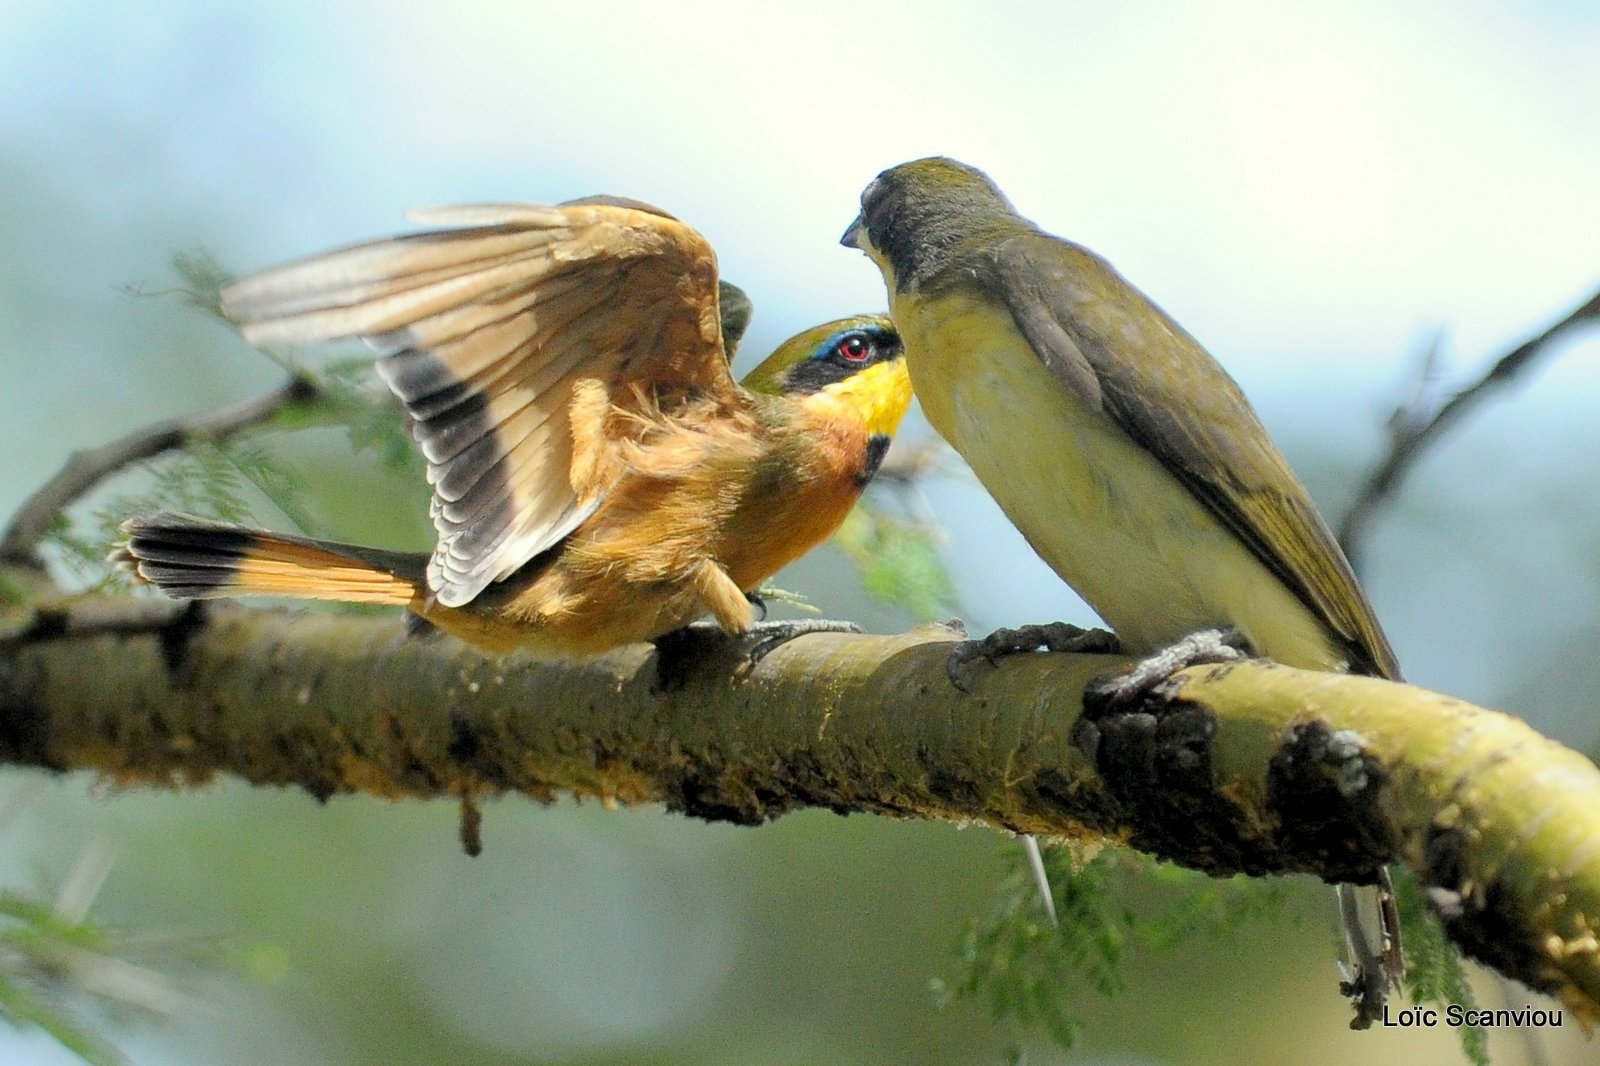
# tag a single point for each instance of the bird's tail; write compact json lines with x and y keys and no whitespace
{"x":197,"y":558}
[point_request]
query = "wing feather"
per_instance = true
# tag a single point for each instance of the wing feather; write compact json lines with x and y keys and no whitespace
{"x":383,"y":309}
{"x":354,"y":277}
{"x":490,"y":363}
{"x":1180,"y":405}
{"x":536,"y":217}
{"x":486,"y":326}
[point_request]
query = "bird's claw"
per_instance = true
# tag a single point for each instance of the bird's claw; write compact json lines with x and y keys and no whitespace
{"x":758,"y":602}
{"x":1053,"y":636}
{"x":679,"y":650}
{"x":1203,"y":646}
{"x":769,"y":636}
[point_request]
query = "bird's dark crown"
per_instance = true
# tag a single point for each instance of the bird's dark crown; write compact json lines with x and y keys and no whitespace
{"x":918,"y":212}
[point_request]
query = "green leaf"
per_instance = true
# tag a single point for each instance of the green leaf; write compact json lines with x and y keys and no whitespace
{"x":1434,"y":973}
{"x":899,"y":557}
{"x":1033,"y":975}
{"x":205,"y":277}
{"x":22,"y":1009}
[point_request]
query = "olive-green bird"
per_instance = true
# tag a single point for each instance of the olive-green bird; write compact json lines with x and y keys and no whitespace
{"x":1125,"y":454}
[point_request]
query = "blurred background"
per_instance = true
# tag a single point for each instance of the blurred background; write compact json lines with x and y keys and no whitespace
{"x":1317,"y":194}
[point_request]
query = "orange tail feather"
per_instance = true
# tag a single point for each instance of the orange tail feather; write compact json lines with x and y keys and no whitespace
{"x":196,"y":558}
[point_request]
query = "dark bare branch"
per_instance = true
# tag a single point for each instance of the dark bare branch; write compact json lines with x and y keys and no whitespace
{"x":1413,"y":429}
{"x":88,"y":468}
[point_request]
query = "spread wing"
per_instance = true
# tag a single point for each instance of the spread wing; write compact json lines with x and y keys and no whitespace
{"x":1181,"y":406}
{"x":507,"y":332}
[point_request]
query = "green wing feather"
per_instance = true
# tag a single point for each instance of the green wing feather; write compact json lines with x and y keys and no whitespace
{"x":1105,"y":341}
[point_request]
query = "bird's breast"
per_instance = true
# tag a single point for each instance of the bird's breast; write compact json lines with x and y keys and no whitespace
{"x":1151,"y":559}
{"x":806,"y":483}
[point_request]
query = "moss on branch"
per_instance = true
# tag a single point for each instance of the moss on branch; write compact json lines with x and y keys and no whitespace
{"x":1246,"y":767}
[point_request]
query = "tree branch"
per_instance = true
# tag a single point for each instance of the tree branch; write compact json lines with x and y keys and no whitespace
{"x":1412,"y":431}
{"x":1252,"y":767}
{"x":86,"y":469}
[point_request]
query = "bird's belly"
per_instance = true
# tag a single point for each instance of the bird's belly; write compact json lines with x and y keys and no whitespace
{"x":1147,"y":555}
{"x":577,"y":609}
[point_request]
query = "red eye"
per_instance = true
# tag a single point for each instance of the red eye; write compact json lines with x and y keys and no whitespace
{"x":855,"y":348}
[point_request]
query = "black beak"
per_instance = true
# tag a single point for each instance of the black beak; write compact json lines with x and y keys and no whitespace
{"x":852,"y":236}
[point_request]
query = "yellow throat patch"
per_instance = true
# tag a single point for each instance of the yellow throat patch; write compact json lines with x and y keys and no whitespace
{"x":876,"y":398}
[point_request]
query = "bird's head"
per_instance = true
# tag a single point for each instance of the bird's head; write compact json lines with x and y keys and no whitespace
{"x":854,"y":364}
{"x":913,"y":215}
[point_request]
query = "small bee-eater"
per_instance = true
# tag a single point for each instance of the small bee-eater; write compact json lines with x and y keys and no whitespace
{"x":1125,"y":454}
{"x":598,"y":476}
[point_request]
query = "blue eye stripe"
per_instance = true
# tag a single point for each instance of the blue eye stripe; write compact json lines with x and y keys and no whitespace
{"x":872,"y":334}
{"x":826,"y":348}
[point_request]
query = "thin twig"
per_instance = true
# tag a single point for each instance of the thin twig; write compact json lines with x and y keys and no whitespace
{"x":1411,"y":433}
{"x":80,"y":617}
{"x":87,"y":468}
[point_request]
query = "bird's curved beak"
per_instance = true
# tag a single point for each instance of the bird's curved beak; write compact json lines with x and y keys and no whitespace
{"x":852,"y":236}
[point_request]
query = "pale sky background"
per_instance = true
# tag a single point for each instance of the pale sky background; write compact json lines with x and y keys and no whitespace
{"x":1313,"y":190}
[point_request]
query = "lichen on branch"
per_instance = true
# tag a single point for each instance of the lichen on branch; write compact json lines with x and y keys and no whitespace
{"x":1246,"y":767}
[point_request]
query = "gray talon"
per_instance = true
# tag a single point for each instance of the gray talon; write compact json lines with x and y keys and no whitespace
{"x":1203,"y":646}
{"x":1053,"y":636}
{"x":769,"y":636}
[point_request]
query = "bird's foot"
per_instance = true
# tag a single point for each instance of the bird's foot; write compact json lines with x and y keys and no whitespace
{"x":679,"y":650}
{"x":759,"y":604}
{"x":1054,"y":636}
{"x":1204,"y":646}
{"x":767,"y":637}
